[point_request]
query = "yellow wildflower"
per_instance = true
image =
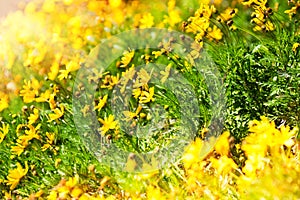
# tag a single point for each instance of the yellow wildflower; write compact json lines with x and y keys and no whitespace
{"x":33,"y":117}
{"x":3,"y":132}
{"x":126,"y":76}
{"x":132,"y":115}
{"x":110,"y":81}
{"x":3,"y":101}
{"x":222,"y":145}
{"x":173,"y":16}
{"x":115,"y":3}
{"x":29,"y":134}
{"x":50,"y":140}
{"x":44,"y":96}
{"x":147,"y":96}
{"x":30,"y":90}
{"x":102,"y":102}
{"x":108,"y":124}
{"x":154,"y":193}
{"x":52,"y":102}
{"x":228,"y":14}
{"x":136,"y":92}
{"x":293,"y":11}
{"x":295,"y":46}
{"x":142,"y":79}
{"x":166,"y":73}
{"x":18,"y":149}
{"x":147,"y":21}
{"x":214,"y":33}
{"x":223,"y":165}
{"x":70,"y":67}
{"x":126,"y":59}
{"x":192,"y":153}
{"x":15,"y":175}
{"x":157,"y":53}
{"x":58,"y":113}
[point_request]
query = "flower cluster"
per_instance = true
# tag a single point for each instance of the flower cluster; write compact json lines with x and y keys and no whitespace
{"x":261,"y":15}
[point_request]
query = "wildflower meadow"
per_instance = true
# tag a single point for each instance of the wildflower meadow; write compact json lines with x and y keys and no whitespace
{"x":132,"y":99}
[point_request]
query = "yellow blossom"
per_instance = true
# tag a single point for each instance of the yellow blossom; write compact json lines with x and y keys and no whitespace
{"x":108,"y":124}
{"x":214,"y":33}
{"x":147,"y":21}
{"x":30,"y":90}
{"x":295,"y":46}
{"x":166,"y":73}
{"x":228,"y":14}
{"x":222,"y":145}
{"x":223,"y":165}
{"x":126,"y":59}
{"x":132,"y":115}
{"x":18,"y":149}
{"x":58,"y":113}
{"x":136,"y":92}
{"x":142,"y":79}
{"x":70,"y":67}
{"x":3,"y":132}
{"x":3,"y":101}
{"x":192,"y":153}
{"x":147,"y":96}
{"x":126,"y":76}
{"x":50,"y":140}
{"x":15,"y":175}
{"x":33,"y":117}
{"x":154,"y":193}
{"x":115,"y":3}
{"x":102,"y":102}
{"x":110,"y":81}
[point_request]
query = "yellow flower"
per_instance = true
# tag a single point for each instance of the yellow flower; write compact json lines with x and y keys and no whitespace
{"x":110,"y":81}
{"x":126,"y":59}
{"x":228,"y":14}
{"x":214,"y":33}
{"x":173,"y":16}
{"x":222,"y":145}
{"x":3,"y":131}
{"x":70,"y":67}
{"x":30,"y":90}
{"x":108,"y":124}
{"x":50,"y":140}
{"x":52,"y":102}
{"x":147,"y":96}
{"x":142,"y":79}
{"x":126,"y":76}
{"x":295,"y":46}
{"x":132,"y":115}
{"x":18,"y":149}
{"x":166,"y":73}
{"x":58,"y":113}
{"x":136,"y":92}
{"x":293,"y":11}
{"x":157,"y":53}
{"x":102,"y":102}
{"x":44,"y":96}
{"x":115,"y":3}
{"x":192,"y":153}
{"x":154,"y":193}
{"x":29,"y":134}
{"x":33,"y":117}
{"x":15,"y":175}
{"x":147,"y":21}
{"x":223,"y":165}
{"x":3,"y":101}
